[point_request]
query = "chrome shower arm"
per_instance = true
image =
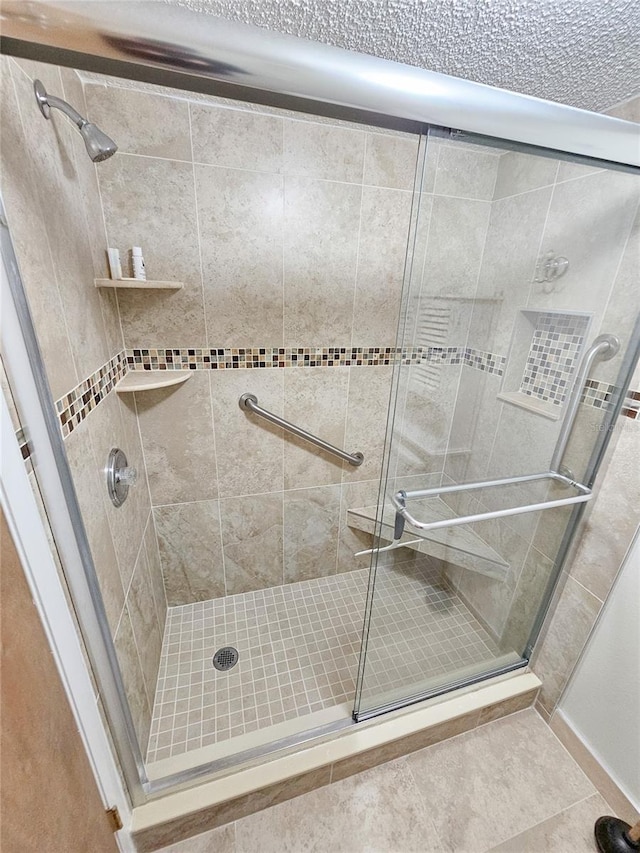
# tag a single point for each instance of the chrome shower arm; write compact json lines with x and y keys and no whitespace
{"x":52,"y":102}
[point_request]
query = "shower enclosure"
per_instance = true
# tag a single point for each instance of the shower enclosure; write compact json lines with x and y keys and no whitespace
{"x":366,"y":390}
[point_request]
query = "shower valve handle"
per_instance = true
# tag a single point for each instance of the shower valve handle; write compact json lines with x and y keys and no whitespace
{"x":127,"y":476}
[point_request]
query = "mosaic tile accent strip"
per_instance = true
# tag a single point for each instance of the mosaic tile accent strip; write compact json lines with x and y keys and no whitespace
{"x":556,"y":342}
{"x":299,"y":646}
{"x":487,"y":361}
{"x":599,"y":395}
{"x":74,"y":407}
{"x":257,"y":357}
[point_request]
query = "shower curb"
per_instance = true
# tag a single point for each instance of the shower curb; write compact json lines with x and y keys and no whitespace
{"x":238,"y":793}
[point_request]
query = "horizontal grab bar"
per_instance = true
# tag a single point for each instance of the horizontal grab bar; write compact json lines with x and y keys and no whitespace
{"x":249,"y":403}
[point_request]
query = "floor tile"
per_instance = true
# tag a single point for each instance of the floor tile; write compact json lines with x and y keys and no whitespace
{"x":377,"y":811}
{"x":299,"y":646}
{"x":496,"y":781}
{"x":570,"y":831}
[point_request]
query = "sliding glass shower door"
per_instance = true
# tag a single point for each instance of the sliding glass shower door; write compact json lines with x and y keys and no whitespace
{"x":517,"y":341}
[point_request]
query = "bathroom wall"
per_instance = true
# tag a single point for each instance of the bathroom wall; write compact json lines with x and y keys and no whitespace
{"x":290,"y":238}
{"x":51,"y":196}
{"x":611,"y":520}
{"x":590,"y":216}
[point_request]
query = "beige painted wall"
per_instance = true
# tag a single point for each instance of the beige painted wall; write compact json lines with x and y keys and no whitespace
{"x":49,"y":796}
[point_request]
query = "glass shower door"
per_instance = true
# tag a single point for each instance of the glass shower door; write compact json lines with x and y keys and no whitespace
{"x":518,"y":339}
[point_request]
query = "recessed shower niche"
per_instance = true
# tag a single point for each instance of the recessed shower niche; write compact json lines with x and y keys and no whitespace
{"x":544,"y":352}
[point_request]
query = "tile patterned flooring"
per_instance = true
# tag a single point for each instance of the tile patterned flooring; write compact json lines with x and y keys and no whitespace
{"x":506,"y":787}
{"x":299,"y":646}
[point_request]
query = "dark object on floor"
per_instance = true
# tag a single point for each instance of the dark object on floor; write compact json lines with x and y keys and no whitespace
{"x":615,"y":836}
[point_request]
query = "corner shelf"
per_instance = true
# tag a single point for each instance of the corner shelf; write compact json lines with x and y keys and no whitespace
{"x":150,"y":380}
{"x":138,"y":284}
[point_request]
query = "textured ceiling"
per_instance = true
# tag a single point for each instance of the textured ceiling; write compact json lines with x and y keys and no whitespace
{"x":580,"y":52}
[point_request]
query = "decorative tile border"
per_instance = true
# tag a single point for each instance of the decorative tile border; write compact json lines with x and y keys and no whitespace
{"x":256,"y":357}
{"x":74,"y":407}
{"x":487,"y":361}
{"x":599,"y":394}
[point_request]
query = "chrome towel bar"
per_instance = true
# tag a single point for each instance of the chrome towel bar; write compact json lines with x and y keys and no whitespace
{"x":399,"y":501}
{"x":249,"y":403}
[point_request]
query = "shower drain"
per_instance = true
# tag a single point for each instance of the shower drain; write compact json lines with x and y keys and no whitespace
{"x":225,"y":658}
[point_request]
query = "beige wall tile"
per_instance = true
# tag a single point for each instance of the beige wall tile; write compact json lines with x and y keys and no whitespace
{"x":252,"y":538}
{"x":237,"y":139}
{"x":240,"y":218}
{"x":155,"y":573}
{"x":91,"y":494}
{"x":144,"y":621}
{"x":454,"y":249}
{"x":336,"y":816}
{"x":36,"y":264}
{"x":94,"y":221}
{"x":521,"y":173}
{"x":466,"y":173}
{"x":320,"y":151}
{"x":190,"y":551}
{"x":508,"y":265}
{"x":321,"y":222}
{"x":53,"y":149}
{"x":628,"y":110}
{"x":353,"y":496}
{"x":151,"y":203}
{"x":490,"y":598}
{"x":527,"y":600}
{"x":133,"y":679}
{"x":384,"y":227}
{"x":250,"y":450}
{"x":315,"y":398}
{"x":590,"y":219}
{"x":368,"y":401}
{"x":177,"y":435}
{"x":390,"y":161}
{"x":114,"y":424}
{"x":141,"y":123}
{"x":475,"y":797}
{"x":560,"y":645}
{"x":624,"y":305}
{"x":311,"y":526}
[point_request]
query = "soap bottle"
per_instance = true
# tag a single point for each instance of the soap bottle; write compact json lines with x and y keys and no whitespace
{"x":137,"y":263}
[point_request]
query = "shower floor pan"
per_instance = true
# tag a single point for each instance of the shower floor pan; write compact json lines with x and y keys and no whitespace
{"x":298,"y":650}
{"x":458,"y":545}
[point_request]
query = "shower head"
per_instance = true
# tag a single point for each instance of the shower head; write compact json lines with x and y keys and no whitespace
{"x":99,"y":146}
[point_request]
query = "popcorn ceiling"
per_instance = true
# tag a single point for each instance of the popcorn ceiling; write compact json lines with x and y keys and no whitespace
{"x":577,"y":52}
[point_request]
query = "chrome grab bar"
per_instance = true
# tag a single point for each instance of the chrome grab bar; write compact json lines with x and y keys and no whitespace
{"x":400,"y":499}
{"x":603,"y":348}
{"x":249,"y":403}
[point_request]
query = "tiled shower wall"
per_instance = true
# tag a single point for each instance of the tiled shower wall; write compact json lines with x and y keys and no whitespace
{"x":287,"y":233}
{"x":51,"y":196}
{"x":591,"y":217}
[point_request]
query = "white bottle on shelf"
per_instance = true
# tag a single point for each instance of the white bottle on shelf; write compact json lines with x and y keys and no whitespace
{"x":137,"y":263}
{"x":115,"y":268}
